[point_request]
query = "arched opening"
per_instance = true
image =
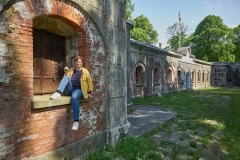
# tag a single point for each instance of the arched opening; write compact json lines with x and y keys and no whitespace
{"x":199,"y":76}
{"x":207,"y":77}
{"x":193,"y":76}
{"x":179,"y":80}
{"x":50,"y":52}
{"x":138,"y":79}
{"x":157,"y":76}
{"x":170,"y":78}
{"x":139,"y":75}
{"x":203,"y":76}
{"x":188,"y":84}
{"x":157,"y":79}
{"x":193,"y":79}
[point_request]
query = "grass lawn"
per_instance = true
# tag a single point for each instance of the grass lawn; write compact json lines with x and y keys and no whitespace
{"x":214,"y":110}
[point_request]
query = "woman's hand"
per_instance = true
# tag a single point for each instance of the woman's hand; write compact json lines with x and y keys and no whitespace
{"x":90,"y":96}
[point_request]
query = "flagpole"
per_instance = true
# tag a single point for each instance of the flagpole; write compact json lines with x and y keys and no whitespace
{"x":179,"y":42}
{"x":179,"y":35}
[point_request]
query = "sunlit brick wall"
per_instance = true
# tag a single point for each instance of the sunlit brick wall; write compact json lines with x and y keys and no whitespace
{"x":27,"y":132}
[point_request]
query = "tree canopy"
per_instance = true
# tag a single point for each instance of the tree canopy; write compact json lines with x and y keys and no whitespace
{"x":212,"y":41}
{"x":176,"y":36}
{"x":236,"y":41}
{"x":143,"y":30}
{"x":129,"y":9}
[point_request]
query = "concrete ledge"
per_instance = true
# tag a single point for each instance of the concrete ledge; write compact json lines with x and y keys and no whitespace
{"x":43,"y":101}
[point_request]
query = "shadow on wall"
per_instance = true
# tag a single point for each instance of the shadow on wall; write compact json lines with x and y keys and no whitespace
{"x":15,"y":91}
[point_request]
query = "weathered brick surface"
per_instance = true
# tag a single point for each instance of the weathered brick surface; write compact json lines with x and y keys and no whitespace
{"x":26,"y":132}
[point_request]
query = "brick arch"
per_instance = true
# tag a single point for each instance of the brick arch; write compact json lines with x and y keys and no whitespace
{"x":87,"y":34}
{"x":170,"y":74}
{"x":68,"y":13}
{"x":71,"y":15}
{"x":139,"y":65}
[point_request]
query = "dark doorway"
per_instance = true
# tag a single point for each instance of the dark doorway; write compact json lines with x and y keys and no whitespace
{"x":48,"y":61}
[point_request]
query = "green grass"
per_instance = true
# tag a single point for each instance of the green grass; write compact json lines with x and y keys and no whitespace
{"x":128,"y":147}
{"x":210,"y":108}
{"x":131,"y":148}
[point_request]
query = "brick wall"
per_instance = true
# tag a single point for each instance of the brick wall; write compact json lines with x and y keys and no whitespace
{"x":26,"y":132}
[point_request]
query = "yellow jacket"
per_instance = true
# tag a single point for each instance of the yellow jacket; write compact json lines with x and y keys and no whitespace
{"x":85,"y":80}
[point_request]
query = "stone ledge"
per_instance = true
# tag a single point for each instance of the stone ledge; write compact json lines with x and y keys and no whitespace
{"x":77,"y":150}
{"x":43,"y":101}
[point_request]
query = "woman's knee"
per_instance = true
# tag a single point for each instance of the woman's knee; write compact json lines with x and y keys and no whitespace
{"x":67,"y":76}
{"x":76,"y":94}
{"x":74,"y":97}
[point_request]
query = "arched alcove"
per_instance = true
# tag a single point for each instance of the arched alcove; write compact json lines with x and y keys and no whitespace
{"x":179,"y":79}
{"x":188,"y":81}
{"x":138,"y":79}
{"x":157,"y":79}
{"x":170,"y":78}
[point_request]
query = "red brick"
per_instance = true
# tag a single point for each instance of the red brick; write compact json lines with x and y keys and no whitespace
{"x":39,"y":122}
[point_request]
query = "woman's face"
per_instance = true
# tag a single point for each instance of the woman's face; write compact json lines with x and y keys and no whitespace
{"x":78,"y":63}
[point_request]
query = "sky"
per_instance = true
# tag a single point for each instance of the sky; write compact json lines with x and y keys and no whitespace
{"x":164,"y":13}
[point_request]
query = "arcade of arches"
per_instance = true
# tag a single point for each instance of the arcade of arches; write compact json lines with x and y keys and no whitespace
{"x":174,"y":71}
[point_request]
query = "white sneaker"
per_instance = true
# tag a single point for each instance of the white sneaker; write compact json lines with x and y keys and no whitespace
{"x":55,"y":95}
{"x":75,"y":126}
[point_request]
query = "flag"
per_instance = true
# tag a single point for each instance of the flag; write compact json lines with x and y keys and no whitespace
{"x":179,"y":20}
{"x":179,"y":17}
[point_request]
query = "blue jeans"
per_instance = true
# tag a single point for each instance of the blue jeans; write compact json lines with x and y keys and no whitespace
{"x":65,"y":86}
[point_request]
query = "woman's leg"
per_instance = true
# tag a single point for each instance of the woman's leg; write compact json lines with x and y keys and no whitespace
{"x":65,"y":85}
{"x":76,"y":94}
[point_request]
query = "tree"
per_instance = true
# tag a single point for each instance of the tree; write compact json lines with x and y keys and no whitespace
{"x":129,"y":9}
{"x":176,"y":36}
{"x":212,"y":41}
{"x":143,"y":30}
{"x":236,"y":41}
